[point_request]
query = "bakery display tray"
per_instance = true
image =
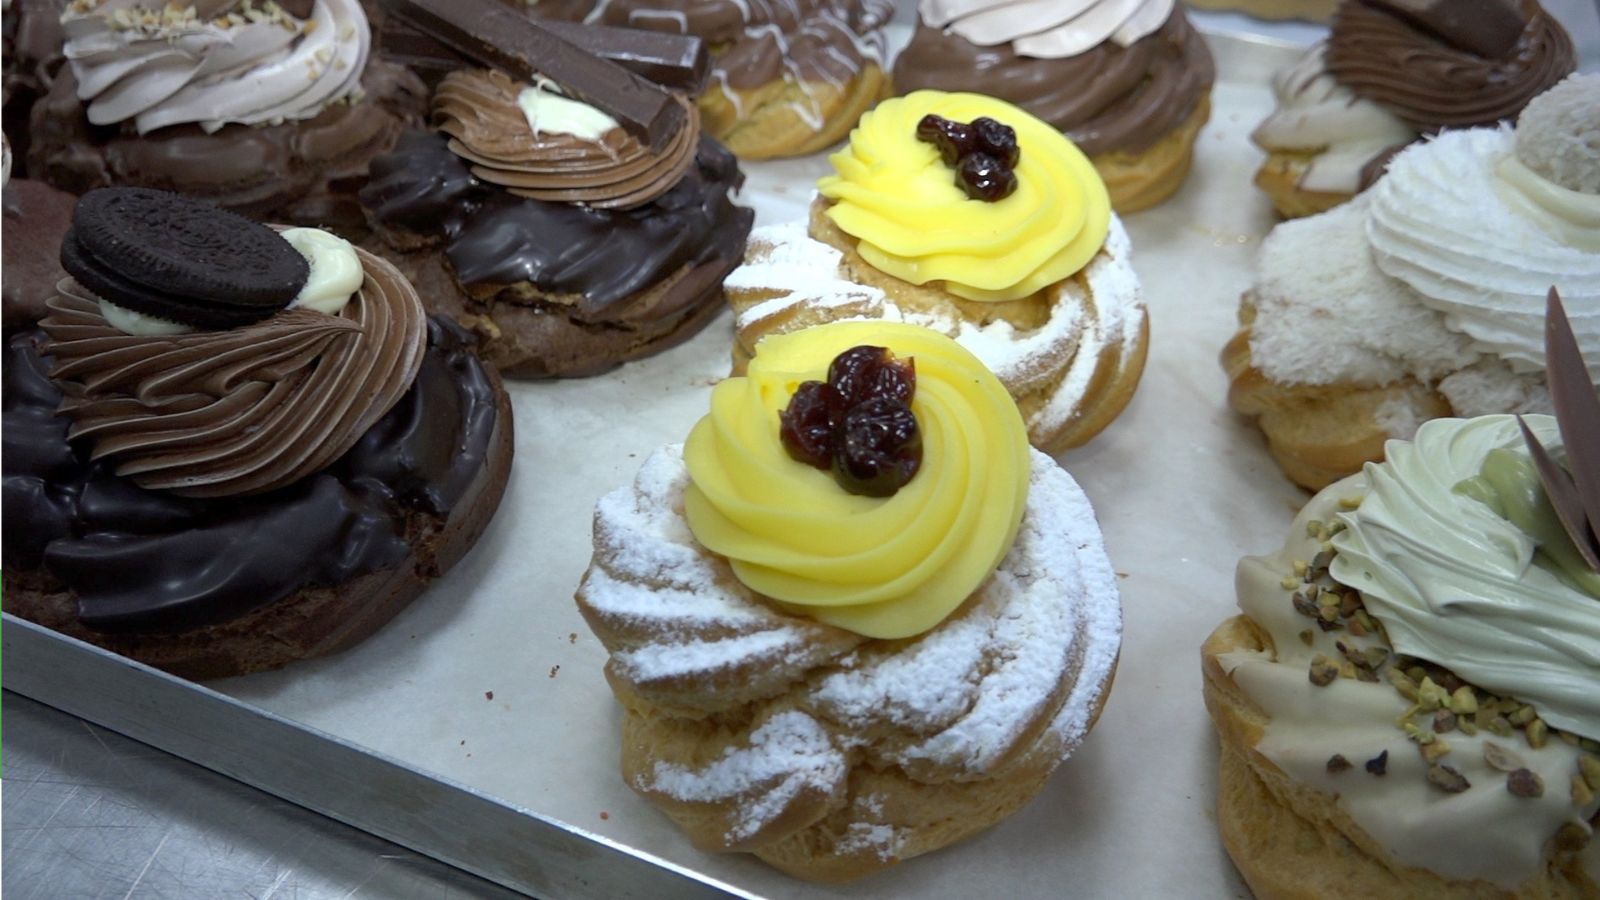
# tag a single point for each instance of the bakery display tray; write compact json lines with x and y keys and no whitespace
{"x":477,"y":727}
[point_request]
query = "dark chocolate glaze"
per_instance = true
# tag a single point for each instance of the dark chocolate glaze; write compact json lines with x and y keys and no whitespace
{"x":608,"y":257}
{"x":146,"y":561}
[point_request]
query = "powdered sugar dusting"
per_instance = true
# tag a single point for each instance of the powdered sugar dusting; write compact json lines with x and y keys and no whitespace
{"x":790,"y":271}
{"x":789,"y":754}
{"x":1032,"y":648}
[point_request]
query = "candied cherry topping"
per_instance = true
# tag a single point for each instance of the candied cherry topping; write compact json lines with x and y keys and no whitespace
{"x":997,"y":139}
{"x":879,"y":449}
{"x":985,"y":178}
{"x":858,"y":423}
{"x":984,"y":153}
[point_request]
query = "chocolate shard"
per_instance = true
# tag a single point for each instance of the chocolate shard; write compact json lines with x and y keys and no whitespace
{"x":676,"y":61}
{"x":499,"y":37}
{"x":1578,"y":415}
{"x":1563,"y":496}
{"x":1489,"y":28}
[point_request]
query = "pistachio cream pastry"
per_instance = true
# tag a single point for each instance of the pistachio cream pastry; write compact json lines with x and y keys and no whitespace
{"x":1407,"y":704}
{"x":964,"y":214}
{"x":1424,"y":297}
{"x":266,"y":109}
{"x":789,"y":77}
{"x":854,"y":618}
{"x":228,"y":447}
{"x":1391,"y":71}
{"x":563,"y":236}
{"x":1128,"y":82}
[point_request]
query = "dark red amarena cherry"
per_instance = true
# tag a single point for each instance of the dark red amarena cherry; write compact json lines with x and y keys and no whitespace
{"x":859,"y":423}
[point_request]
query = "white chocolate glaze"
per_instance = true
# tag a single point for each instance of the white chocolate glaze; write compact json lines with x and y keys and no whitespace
{"x":1483,"y":832}
{"x":1316,"y":113}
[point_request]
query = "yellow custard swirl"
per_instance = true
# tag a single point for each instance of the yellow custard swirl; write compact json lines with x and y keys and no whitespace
{"x":895,"y":195}
{"x":889,"y":567}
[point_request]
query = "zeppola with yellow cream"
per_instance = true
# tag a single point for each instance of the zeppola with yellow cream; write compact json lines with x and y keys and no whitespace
{"x":855,"y":617}
{"x":966,"y":215}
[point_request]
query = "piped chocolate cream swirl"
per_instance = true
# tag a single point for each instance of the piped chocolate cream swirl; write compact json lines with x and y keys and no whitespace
{"x":482,"y":112}
{"x":1108,"y":99}
{"x":237,"y":411}
{"x":1428,"y":67}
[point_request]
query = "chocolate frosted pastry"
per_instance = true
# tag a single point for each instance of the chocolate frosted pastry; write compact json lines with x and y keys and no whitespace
{"x":256,"y":108}
{"x":216,"y":501}
{"x":788,"y":78}
{"x":30,"y":51}
{"x":540,"y":224}
{"x":1130,"y":84}
{"x":1392,"y":71}
{"x":36,"y":216}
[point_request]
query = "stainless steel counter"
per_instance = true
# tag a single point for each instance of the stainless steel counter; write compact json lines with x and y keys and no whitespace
{"x":91,"y":814}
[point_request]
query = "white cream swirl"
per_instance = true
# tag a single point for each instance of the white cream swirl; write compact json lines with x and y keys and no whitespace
{"x":1316,"y":113}
{"x":1438,"y":224}
{"x":1456,"y":584}
{"x":1048,"y":29}
{"x":163,"y":65}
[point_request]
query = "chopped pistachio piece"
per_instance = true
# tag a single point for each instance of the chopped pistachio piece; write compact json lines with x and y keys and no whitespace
{"x":1501,"y":758}
{"x":1525,"y":783}
{"x":1464,"y":701}
{"x":1537,"y":733}
{"x":1589,"y":768}
{"x":1447,"y":779}
{"x":1337,"y":763}
{"x":1323,"y":670}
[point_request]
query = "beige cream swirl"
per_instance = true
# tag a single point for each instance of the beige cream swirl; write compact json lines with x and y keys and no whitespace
{"x":240,"y":411}
{"x":479,"y":109}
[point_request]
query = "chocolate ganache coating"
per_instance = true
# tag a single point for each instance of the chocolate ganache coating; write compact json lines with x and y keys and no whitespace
{"x":1106,"y":100}
{"x":143,"y":561}
{"x":607,"y":257}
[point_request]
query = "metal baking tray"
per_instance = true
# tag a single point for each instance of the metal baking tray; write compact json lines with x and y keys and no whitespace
{"x":477,"y":726}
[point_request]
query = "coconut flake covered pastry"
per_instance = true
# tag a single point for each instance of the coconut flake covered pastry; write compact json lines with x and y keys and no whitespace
{"x":1425,"y":296}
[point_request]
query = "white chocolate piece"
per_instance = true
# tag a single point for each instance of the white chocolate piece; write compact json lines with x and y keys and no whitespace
{"x":550,"y":113}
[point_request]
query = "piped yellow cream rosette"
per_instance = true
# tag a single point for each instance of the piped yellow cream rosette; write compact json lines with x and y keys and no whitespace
{"x":895,"y":195}
{"x":890,"y":567}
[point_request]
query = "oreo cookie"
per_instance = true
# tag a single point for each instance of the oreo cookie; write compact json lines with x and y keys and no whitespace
{"x":184,"y":260}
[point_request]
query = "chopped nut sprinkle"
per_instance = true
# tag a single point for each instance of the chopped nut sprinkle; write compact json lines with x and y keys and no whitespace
{"x":1379,"y":765}
{"x":1447,"y":779}
{"x":1525,"y":783}
{"x":1501,"y":758}
{"x":1337,"y":764}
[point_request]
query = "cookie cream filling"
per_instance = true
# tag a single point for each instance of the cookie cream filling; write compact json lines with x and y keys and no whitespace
{"x":1483,"y":831}
{"x":1437,"y":224}
{"x":252,"y":65}
{"x":336,"y":272}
